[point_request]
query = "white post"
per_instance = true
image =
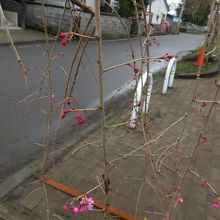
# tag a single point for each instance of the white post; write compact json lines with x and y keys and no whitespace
{"x":169,"y":76}
{"x":138,"y":95}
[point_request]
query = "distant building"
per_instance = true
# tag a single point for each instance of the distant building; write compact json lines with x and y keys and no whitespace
{"x":14,"y":11}
{"x":159,"y":9}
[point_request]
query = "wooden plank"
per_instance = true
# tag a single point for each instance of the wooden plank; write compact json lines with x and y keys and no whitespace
{"x":98,"y":203}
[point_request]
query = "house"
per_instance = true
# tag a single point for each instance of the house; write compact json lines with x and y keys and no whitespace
{"x":14,"y":11}
{"x":159,"y":9}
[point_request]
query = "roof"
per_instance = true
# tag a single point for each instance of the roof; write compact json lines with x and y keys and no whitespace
{"x":167,"y":6}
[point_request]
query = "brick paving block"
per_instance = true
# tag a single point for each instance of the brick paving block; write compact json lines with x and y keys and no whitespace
{"x":195,"y":211}
{"x":215,"y":161}
{"x":196,"y":193}
{"x":210,"y":218}
{"x":215,"y":177}
{"x":31,"y":200}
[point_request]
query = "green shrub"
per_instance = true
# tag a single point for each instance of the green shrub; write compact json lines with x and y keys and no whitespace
{"x":126,"y":8}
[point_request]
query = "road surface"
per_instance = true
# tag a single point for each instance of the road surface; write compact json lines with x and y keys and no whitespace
{"x":22,"y":125}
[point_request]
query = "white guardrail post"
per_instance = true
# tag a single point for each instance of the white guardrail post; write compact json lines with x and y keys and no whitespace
{"x":170,"y":74}
{"x":138,"y":96}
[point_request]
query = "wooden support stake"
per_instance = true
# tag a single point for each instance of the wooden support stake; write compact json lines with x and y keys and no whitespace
{"x":97,"y":203}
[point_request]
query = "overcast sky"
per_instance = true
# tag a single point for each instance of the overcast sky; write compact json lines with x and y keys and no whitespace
{"x":173,"y":4}
{"x":173,"y":1}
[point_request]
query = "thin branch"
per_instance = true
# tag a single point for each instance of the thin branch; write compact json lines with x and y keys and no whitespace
{"x":5,"y":23}
{"x":83,"y":6}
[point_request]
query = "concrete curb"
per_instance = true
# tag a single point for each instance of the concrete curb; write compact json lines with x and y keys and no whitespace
{"x":206,"y":74}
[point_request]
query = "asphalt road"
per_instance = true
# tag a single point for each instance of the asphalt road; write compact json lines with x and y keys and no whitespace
{"x":22,"y":125}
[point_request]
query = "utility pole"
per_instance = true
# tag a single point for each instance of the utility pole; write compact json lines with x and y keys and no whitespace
{"x":180,"y":16}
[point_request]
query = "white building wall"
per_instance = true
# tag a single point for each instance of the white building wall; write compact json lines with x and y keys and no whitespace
{"x":158,"y":8}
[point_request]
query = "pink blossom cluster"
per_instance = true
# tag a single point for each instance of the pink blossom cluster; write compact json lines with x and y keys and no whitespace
{"x":79,"y":117}
{"x":154,"y":41}
{"x":215,"y":203}
{"x":64,"y":37}
{"x":165,"y":25}
{"x":86,"y":204}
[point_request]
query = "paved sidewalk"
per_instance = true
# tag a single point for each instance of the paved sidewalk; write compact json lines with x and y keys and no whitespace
{"x":132,"y":178}
{"x":21,"y":36}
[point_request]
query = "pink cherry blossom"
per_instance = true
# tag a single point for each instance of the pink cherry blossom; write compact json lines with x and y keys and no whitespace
{"x":69,"y":103}
{"x":64,"y":41}
{"x":65,"y":111}
{"x":204,"y":139}
{"x":87,"y":200}
{"x":79,"y":118}
{"x":215,"y":204}
{"x":62,"y":116}
{"x":180,"y":199}
{"x":81,"y":121}
{"x":63,"y":35}
{"x":76,"y":210}
{"x":135,"y":69}
{"x":203,"y":183}
{"x":65,"y":208}
{"x":86,"y":204}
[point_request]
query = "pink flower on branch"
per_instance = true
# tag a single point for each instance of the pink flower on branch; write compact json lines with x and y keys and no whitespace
{"x":75,"y":210}
{"x":63,"y":35}
{"x":203,"y":183}
{"x":64,"y":41}
{"x":86,"y":204}
{"x":69,"y":103}
{"x":135,"y":69}
{"x":79,"y":118}
{"x":65,"y":112}
{"x":204,"y":139}
{"x":215,"y":204}
{"x":180,"y":199}
{"x":65,"y":208}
